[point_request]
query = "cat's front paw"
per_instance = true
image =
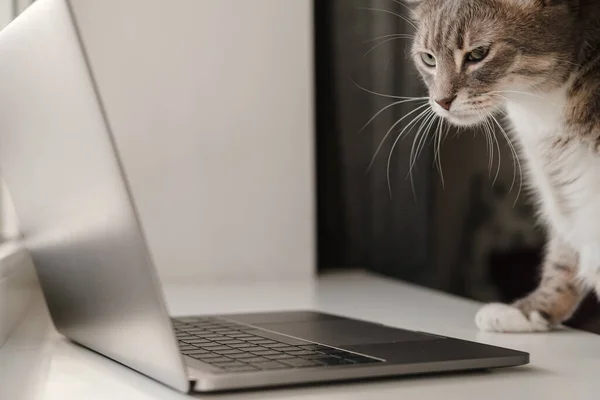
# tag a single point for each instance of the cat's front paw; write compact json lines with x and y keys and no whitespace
{"x":496,"y":317}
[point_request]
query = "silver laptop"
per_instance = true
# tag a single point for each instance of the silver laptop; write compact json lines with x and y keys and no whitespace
{"x":78,"y":219}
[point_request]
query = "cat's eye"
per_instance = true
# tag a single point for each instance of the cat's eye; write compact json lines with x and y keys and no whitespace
{"x":477,"y":54}
{"x":428,"y":59}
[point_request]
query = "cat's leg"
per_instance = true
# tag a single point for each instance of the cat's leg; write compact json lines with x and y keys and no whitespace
{"x":556,"y":298}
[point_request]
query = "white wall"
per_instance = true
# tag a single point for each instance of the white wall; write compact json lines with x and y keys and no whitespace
{"x":8,"y":222}
{"x":211,"y":105}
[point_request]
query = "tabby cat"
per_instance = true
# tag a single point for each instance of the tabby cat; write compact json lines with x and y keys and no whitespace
{"x":538,"y":61}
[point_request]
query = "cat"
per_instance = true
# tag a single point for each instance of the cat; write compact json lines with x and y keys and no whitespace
{"x":538,"y":61}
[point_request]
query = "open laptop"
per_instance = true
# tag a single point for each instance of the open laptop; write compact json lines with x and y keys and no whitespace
{"x":79,"y":221}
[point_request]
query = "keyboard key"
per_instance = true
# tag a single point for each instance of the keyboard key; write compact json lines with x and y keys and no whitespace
{"x":265,"y":353}
{"x":228,"y":332}
{"x":222,"y":330}
{"x":185,"y":348}
{"x":196,"y":331}
{"x":186,"y":337}
{"x":185,"y":320}
{"x":206,"y":327}
{"x":213,"y":337}
{"x":265,"y":342}
{"x":230,"y":363}
{"x":255,"y":339}
{"x":241,"y":356}
{"x":255,"y":349}
{"x":256,"y":360}
{"x":270,"y":365}
{"x":197,"y":341}
{"x":241,"y":346}
{"x":213,"y":360}
{"x":287,"y":348}
{"x":207,"y":356}
{"x":241,"y":335}
{"x":277,"y":346}
{"x":301,"y":363}
{"x":207,"y":335}
{"x":243,"y":368}
{"x":280,"y":356}
{"x":230,"y":342}
{"x":230,"y":351}
{"x":196,"y":350}
{"x":209,"y":346}
{"x":213,"y":347}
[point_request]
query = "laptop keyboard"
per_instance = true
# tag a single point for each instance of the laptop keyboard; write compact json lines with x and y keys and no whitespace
{"x":230,"y":347}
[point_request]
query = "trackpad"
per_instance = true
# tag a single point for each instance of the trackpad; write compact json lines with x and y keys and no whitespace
{"x":345,"y":332}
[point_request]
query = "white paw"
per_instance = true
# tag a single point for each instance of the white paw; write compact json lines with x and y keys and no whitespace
{"x":496,"y":317}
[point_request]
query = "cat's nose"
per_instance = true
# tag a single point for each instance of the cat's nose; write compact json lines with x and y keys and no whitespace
{"x":446,"y":103}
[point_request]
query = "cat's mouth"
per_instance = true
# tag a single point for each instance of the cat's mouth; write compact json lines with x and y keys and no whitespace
{"x":464,"y":117}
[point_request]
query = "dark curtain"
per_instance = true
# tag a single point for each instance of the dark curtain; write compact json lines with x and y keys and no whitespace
{"x":362,"y":224}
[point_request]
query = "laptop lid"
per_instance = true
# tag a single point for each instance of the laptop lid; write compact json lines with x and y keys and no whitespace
{"x":72,"y":200}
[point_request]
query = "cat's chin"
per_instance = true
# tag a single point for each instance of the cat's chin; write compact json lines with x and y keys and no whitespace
{"x":465,"y":120}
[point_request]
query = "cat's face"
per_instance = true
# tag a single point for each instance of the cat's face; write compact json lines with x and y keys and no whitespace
{"x":473,"y":54}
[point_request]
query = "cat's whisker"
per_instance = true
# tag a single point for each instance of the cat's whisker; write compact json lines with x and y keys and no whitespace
{"x":488,"y":142}
{"x":389,"y":96}
{"x":517,"y":92}
{"x":391,"y":35}
{"x":423,"y":140}
{"x":437,"y":139}
{"x":435,"y":143}
{"x":500,"y":111}
{"x":495,"y":140}
{"x":420,"y":146}
{"x":396,"y":103}
{"x":420,"y":131}
{"x":515,"y":159}
{"x":402,"y":4}
{"x":390,"y":131}
{"x":381,"y":43}
{"x":495,"y":94}
{"x":407,"y":127}
{"x":499,"y":154}
{"x":448,"y":126}
{"x":417,"y":135}
{"x":391,"y":13}
{"x":563,"y":60}
{"x":438,"y":156}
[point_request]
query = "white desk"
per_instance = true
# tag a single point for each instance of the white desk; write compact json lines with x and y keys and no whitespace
{"x":36,"y":364}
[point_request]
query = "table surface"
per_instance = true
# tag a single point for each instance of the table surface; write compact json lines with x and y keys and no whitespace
{"x":36,"y":363}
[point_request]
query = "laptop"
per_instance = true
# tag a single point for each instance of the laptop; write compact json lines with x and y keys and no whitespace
{"x":78,"y":219}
